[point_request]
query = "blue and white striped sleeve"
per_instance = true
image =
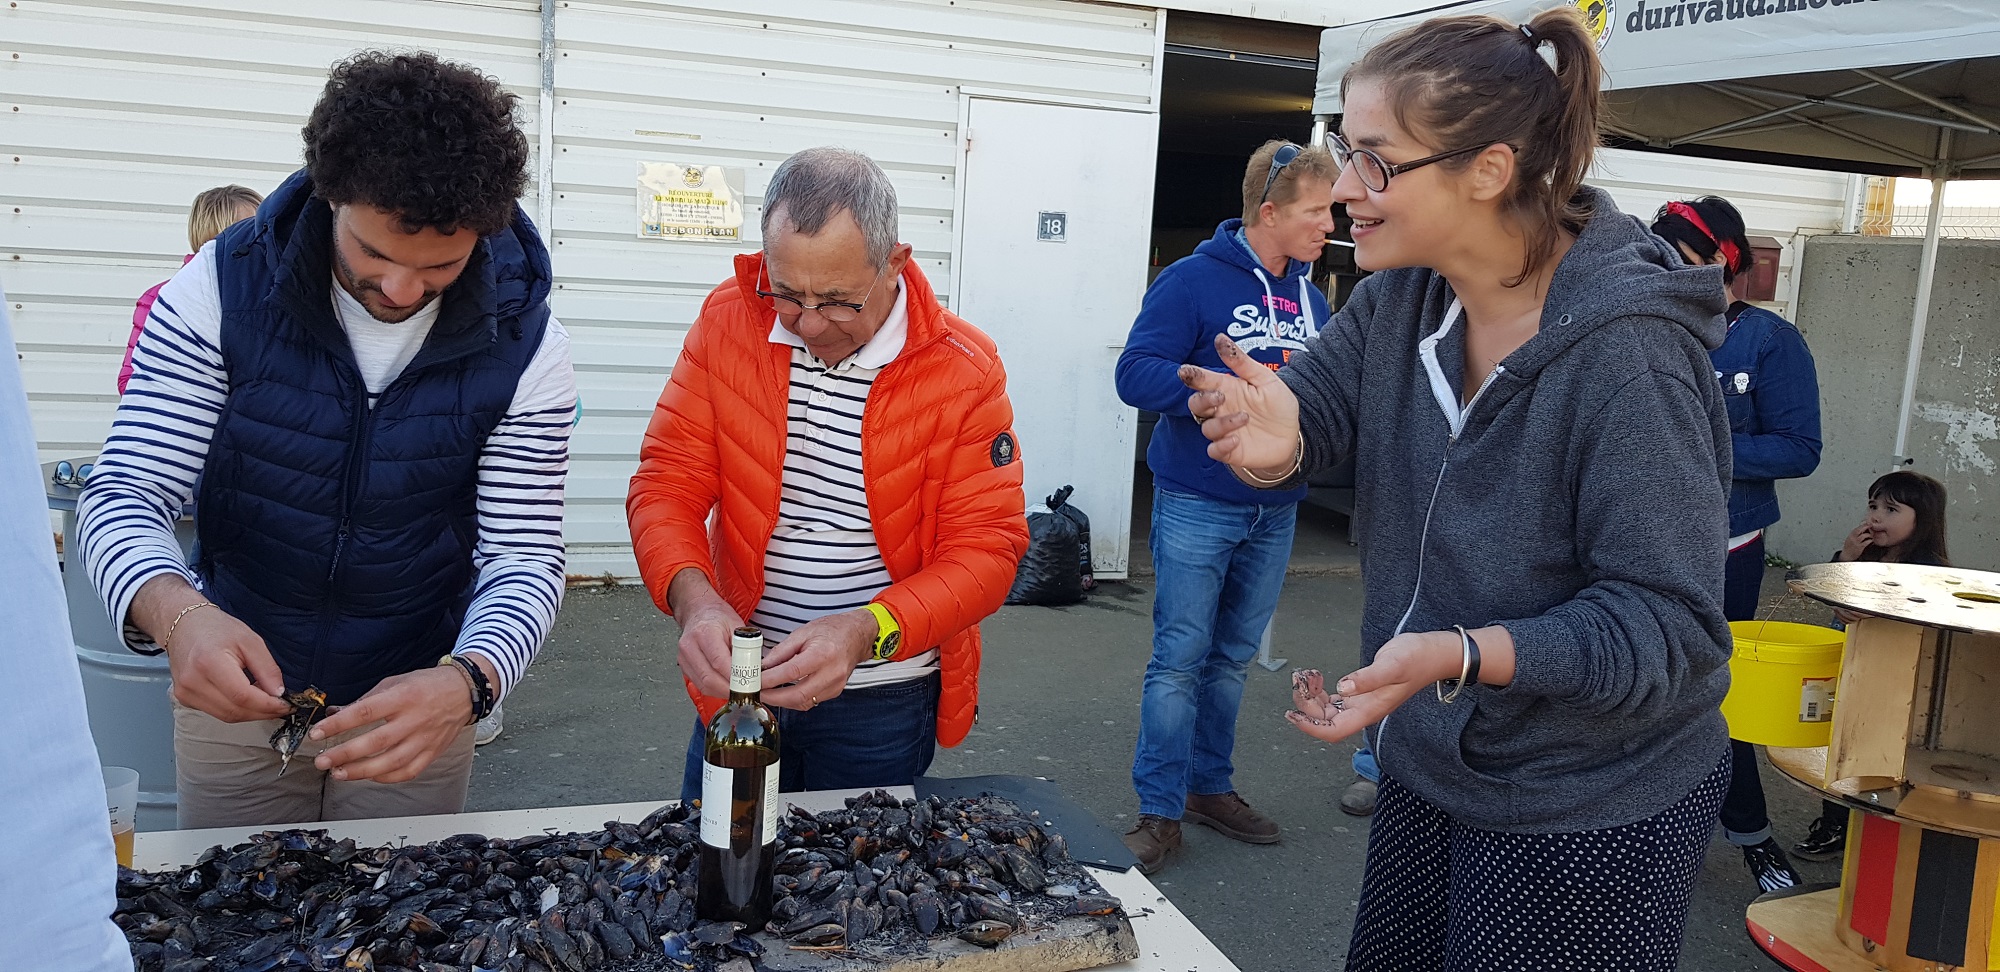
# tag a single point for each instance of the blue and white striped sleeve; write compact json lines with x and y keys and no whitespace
{"x":520,"y":555}
{"x":158,"y":444}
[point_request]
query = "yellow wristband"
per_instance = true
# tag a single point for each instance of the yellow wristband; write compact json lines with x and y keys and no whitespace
{"x":888,"y":634}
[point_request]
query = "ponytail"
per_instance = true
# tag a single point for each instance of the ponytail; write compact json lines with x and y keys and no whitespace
{"x":1479,"y":80}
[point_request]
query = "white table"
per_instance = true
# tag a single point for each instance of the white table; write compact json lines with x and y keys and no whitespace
{"x":1168,"y":942}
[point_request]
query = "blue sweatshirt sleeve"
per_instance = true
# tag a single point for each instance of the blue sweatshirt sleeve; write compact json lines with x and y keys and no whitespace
{"x":1787,"y":405}
{"x":1163,"y":338}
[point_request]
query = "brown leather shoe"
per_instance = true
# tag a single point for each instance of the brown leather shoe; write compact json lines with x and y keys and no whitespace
{"x":1153,"y":840}
{"x":1228,"y":815}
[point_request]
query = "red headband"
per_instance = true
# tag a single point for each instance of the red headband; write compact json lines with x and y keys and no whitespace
{"x":1731,"y":256}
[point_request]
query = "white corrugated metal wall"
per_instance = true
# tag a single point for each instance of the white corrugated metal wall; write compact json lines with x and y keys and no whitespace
{"x":642,"y":81}
{"x":114,"y":114}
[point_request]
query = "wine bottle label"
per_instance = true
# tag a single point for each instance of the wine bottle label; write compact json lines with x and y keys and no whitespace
{"x":770,"y":832}
{"x":746,"y":666}
{"x":746,"y":677}
{"x":715,"y":804}
{"x":718,"y":803}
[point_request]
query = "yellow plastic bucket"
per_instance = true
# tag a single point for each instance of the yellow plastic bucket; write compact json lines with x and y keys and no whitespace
{"x":1781,"y":683}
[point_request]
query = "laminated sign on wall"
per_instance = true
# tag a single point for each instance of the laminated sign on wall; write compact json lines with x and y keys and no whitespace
{"x":690,"y":202}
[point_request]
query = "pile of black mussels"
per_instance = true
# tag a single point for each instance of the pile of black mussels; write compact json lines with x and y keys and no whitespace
{"x":878,"y":876}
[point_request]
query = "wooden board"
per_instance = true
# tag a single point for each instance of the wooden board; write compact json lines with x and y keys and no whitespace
{"x":1156,"y":936}
{"x":1935,"y":597}
{"x":1930,"y":806}
{"x":1073,"y":944}
{"x":1871,"y":722}
{"x":1952,"y":771}
{"x":1797,"y":932}
{"x":1807,"y":767}
{"x":1941,"y":810}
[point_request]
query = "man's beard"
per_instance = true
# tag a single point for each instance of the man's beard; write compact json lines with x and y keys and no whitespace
{"x":362,"y":292}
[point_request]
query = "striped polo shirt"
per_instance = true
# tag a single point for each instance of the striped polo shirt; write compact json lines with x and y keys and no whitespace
{"x":822,"y":558}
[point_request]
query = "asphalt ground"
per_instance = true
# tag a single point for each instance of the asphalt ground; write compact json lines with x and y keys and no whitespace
{"x":602,"y":718}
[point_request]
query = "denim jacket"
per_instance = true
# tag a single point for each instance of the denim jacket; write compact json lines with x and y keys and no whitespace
{"x":1772,"y":393}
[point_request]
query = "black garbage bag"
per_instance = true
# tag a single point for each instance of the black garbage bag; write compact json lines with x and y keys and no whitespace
{"x":1057,"y":565}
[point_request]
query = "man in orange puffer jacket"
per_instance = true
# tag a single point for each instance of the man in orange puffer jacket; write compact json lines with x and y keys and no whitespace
{"x":854,"y":443}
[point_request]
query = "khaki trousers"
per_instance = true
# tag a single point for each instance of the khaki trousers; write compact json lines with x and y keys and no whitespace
{"x":227,"y":775}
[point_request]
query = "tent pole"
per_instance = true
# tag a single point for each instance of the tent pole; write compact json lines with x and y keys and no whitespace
{"x":1320,"y":125}
{"x":1926,"y":271}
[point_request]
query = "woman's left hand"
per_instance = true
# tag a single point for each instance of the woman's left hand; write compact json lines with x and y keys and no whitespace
{"x":1405,"y":665}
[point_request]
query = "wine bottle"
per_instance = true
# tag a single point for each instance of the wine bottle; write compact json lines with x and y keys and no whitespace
{"x":739,"y":795}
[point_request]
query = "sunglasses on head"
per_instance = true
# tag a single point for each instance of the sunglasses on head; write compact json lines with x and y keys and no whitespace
{"x":1283,"y":157}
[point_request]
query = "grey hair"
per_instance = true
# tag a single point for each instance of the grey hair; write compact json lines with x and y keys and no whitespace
{"x":813,"y":186}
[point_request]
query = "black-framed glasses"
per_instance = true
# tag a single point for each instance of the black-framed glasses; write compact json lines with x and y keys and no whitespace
{"x":835,"y":311}
{"x":1376,"y":171}
{"x":1279,"y":159}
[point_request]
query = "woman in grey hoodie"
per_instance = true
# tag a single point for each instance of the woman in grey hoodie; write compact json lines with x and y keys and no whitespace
{"x":1542,"y":472}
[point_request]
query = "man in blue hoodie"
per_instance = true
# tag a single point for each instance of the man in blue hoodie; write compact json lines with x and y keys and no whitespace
{"x":1219,"y":546}
{"x":364,"y":394}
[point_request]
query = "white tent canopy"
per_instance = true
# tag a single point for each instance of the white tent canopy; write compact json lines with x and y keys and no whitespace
{"x":1882,"y":87}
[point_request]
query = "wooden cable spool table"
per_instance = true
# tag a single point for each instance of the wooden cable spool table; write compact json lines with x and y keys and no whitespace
{"x":1915,"y":756}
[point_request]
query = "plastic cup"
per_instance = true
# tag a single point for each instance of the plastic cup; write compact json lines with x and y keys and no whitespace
{"x":121,"y":796}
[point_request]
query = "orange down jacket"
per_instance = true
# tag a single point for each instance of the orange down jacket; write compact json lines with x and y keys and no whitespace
{"x":944,"y":489}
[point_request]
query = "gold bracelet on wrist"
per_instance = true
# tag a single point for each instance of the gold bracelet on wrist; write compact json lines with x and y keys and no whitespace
{"x":1298,"y":459}
{"x":176,"y":625}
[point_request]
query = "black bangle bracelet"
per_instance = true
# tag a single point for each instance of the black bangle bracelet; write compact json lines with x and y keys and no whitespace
{"x":1472,"y":649}
{"x":482,"y":689}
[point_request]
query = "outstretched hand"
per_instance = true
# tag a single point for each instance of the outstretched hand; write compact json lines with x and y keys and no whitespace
{"x":1250,"y":417}
{"x":1404,"y":666}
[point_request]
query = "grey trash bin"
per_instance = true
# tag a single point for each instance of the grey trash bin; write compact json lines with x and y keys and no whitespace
{"x":131,"y":716}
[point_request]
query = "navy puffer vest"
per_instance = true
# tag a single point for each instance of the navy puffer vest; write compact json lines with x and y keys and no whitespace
{"x":344,"y":535}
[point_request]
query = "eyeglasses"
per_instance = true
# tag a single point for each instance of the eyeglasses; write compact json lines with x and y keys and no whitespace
{"x":1279,"y":159}
{"x":1373,"y":169}
{"x":835,"y":311}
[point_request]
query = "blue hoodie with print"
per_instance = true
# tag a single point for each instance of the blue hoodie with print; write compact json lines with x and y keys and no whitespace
{"x":1222,"y":287}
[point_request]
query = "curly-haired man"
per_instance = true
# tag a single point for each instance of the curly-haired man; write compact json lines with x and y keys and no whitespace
{"x":364,"y":395}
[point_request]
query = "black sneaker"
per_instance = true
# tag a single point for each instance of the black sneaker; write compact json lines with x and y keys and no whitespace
{"x":1768,"y":864}
{"x":1825,"y":841}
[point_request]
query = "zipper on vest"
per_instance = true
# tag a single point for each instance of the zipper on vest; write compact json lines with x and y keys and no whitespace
{"x":339,"y":545}
{"x":351,"y":484}
{"x":356,"y":461}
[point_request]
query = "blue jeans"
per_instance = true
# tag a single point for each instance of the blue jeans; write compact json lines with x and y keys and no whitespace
{"x":1746,"y":820}
{"x":1365,"y":766}
{"x":1743,"y":581}
{"x":865,"y":737}
{"x":1219,"y":569}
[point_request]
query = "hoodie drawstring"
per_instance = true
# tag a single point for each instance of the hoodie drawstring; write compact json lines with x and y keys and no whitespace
{"x":1270,"y":300}
{"x":1305,"y":302}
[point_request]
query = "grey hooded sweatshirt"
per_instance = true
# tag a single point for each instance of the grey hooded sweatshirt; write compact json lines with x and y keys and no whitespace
{"x":1581,"y":501}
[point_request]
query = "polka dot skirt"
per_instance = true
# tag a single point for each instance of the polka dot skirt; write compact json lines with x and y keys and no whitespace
{"x":1438,"y":895}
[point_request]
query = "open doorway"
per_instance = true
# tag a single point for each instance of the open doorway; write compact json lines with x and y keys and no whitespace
{"x":1228,"y":85}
